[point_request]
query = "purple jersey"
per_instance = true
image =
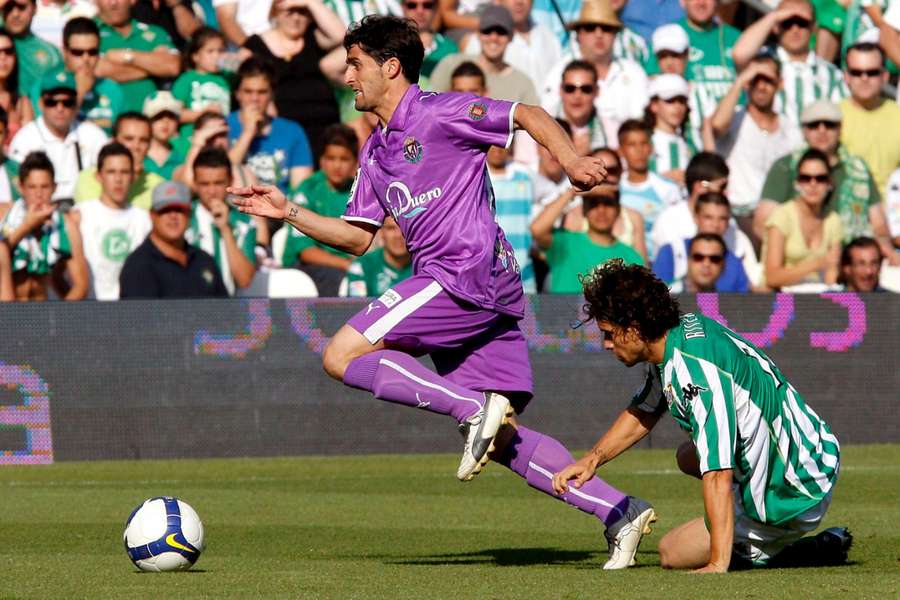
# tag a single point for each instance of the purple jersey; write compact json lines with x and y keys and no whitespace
{"x":427,"y":170}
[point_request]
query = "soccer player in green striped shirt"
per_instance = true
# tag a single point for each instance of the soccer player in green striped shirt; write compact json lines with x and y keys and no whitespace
{"x":768,"y":462}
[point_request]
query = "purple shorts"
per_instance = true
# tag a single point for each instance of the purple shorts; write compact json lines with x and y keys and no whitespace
{"x":472,"y":347}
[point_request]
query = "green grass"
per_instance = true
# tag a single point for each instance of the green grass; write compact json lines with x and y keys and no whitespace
{"x":400,"y":527}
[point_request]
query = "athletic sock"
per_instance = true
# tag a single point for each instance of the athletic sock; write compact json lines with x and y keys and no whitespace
{"x":397,"y":377}
{"x":536,"y":457}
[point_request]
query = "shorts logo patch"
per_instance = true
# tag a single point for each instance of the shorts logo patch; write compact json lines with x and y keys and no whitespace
{"x":390,"y":298}
{"x":477,"y":111}
{"x":412,"y":150}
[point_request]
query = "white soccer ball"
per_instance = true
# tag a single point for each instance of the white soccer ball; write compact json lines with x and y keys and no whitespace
{"x":163,"y":534}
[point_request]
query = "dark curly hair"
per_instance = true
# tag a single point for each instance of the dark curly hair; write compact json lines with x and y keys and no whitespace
{"x":383,"y":38}
{"x":630,"y":296}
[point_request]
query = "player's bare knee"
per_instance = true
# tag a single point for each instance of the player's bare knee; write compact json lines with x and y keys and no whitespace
{"x":666,"y":553}
{"x":335,"y":360}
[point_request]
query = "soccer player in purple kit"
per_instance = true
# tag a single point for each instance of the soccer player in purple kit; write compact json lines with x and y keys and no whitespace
{"x":424,"y":165}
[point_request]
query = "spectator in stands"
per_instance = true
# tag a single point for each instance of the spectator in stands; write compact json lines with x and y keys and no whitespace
{"x":803,"y":239}
{"x":436,"y":44}
{"x":35,"y":56}
{"x":861,"y":266}
{"x":353,"y":11}
{"x":622,"y":82}
{"x":504,"y":81}
{"x":667,"y":116}
{"x":51,"y":17}
{"x":17,"y":106}
{"x":9,"y":169}
{"x":164,"y":112}
{"x":326,"y":193}
{"x":892,"y":206}
{"x":712,"y":214}
{"x":100,"y":100}
{"x":176,"y":17}
{"x":165,"y":265}
{"x":461,"y":16}
{"x":133,"y":53}
{"x":239,"y":19}
{"x":533,"y":49}
{"x":855,"y":196}
{"x":110,"y":228}
{"x":571,"y":253}
{"x":276,"y":149}
{"x":226,"y":234}
{"x":71,"y":145}
{"x":706,"y":264}
{"x":468,"y":78}
{"x":751,"y":138}
{"x":578,"y":92}
{"x":707,"y":172}
{"x":871,"y":123}
{"x":374,"y":273}
{"x":642,"y":190}
{"x":806,"y":76}
{"x":132,"y":130}
{"x":515,"y":206}
{"x":629,"y":43}
{"x":303,"y":49}
{"x":202,"y":87}
{"x":44,"y":243}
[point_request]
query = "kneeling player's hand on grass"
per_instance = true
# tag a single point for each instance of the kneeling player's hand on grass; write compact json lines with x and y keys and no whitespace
{"x":260,"y":200}
{"x":586,"y":172}
{"x":711,"y":568}
{"x":579,"y":472}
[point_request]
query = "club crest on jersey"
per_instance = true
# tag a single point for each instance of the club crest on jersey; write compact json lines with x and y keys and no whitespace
{"x":477,"y":111}
{"x":412,"y":150}
{"x":669,"y":394}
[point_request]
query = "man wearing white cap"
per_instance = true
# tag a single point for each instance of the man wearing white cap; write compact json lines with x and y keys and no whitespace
{"x":622,"y":82}
{"x":807,"y":77}
{"x":855,"y":195}
{"x":672,"y":145}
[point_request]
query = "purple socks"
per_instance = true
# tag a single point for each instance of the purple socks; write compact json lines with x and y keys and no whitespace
{"x":398,"y":377}
{"x":536,"y":457}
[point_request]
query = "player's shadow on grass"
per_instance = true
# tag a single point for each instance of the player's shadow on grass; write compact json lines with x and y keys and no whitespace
{"x":510,"y":557}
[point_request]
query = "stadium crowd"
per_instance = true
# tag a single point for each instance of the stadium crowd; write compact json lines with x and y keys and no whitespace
{"x":745,"y":151}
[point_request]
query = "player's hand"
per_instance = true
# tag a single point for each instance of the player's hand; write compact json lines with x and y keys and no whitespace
{"x":711,"y":568}
{"x":586,"y":172}
{"x":579,"y":473}
{"x":260,"y":200}
{"x":219,"y":211}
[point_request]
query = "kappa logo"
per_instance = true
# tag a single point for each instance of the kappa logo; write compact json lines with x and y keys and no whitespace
{"x":403,"y":204}
{"x":691,"y":391}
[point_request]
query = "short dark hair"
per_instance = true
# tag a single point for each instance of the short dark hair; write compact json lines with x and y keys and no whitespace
{"x":630,"y":296}
{"x":469,"y":69}
{"x":864,"y":47}
{"x":813,"y":154}
{"x":36,"y":161}
{"x":79,"y":26}
{"x":705,"y":166}
{"x":712,"y":198}
{"x":113,"y":149}
{"x":766,"y":57}
{"x":384,"y":38}
{"x":860,"y":242}
{"x":213,"y":158}
{"x":708,"y":237}
{"x":338,"y":134}
{"x":131,"y":115}
{"x":609,"y":151}
{"x":207,"y":116}
{"x":632,"y":125}
{"x":579,"y":65}
{"x":197,"y":41}
{"x":255,"y":67}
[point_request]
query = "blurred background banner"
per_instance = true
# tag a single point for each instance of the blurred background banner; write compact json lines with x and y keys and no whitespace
{"x":218,"y":378}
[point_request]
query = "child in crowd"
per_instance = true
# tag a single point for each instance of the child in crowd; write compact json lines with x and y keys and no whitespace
{"x":201,"y":87}
{"x":667,"y":115}
{"x":325,"y":192}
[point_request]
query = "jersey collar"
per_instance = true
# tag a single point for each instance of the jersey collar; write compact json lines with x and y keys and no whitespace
{"x":401,"y":113}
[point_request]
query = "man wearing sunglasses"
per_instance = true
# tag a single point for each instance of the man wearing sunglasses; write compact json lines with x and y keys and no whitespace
{"x":437,"y":46}
{"x":71,"y":145}
{"x":36,"y":56}
{"x":807,"y":76}
{"x":855,"y":197}
{"x":99,"y":100}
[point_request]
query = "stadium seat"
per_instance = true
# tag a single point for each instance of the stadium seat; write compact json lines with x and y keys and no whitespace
{"x":280,"y":283}
{"x":279,"y":239}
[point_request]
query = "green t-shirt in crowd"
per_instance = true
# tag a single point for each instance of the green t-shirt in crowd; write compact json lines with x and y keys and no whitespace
{"x":141,"y":38}
{"x":573,"y":253}
{"x":316,"y":194}
{"x":35,"y":57}
{"x":101,"y":105}
{"x":199,"y":90}
{"x":441,"y":47}
{"x":854,"y":189}
{"x":87,"y":187}
{"x":165,"y":170}
{"x":370,"y":275}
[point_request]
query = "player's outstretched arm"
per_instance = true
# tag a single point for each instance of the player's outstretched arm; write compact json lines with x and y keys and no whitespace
{"x":585,"y":172}
{"x":269,"y":202}
{"x":719,"y":504}
{"x":629,"y":428}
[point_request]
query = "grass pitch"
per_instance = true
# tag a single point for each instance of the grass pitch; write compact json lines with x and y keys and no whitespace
{"x":400,"y":527}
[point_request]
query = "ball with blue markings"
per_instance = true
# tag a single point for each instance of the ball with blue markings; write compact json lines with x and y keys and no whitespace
{"x":164,"y":534}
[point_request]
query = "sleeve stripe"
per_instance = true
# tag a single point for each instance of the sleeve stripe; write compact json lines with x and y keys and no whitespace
{"x":512,"y":123}
{"x":362,"y":219}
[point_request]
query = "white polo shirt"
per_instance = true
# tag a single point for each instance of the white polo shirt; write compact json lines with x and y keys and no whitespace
{"x":84,"y":139}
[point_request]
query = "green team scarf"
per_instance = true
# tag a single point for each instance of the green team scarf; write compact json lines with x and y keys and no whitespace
{"x":40,"y":251}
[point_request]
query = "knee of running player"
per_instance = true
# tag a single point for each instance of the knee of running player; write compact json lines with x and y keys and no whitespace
{"x":336,"y":358}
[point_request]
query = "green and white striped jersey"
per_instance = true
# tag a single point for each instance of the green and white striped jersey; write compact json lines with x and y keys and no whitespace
{"x":629,"y":44}
{"x":805,"y":82}
{"x":742,"y":414}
